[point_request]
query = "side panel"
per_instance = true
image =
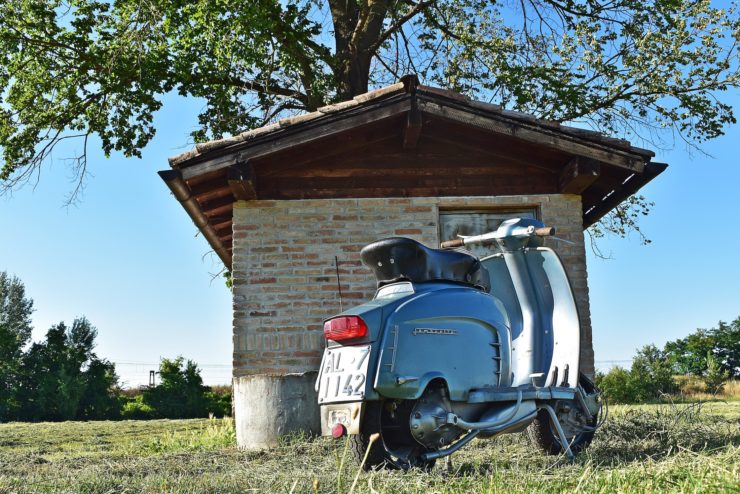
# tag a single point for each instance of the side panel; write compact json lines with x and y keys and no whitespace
{"x":552,"y":314}
{"x":558,"y":308}
{"x":504,"y":292}
{"x":457,"y":334}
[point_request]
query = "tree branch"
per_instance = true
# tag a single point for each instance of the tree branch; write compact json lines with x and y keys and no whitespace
{"x":415,"y":10}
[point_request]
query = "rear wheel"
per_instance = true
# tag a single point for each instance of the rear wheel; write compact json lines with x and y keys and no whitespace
{"x":394,"y":447}
{"x":571,"y":419}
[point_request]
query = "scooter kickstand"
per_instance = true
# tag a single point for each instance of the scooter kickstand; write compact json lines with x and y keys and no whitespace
{"x":563,"y":440}
{"x":448,"y":464}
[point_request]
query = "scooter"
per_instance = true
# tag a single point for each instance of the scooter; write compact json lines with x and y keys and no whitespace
{"x":453,"y":348}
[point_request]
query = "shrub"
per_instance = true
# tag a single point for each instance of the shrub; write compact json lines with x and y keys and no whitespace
{"x":715,"y":375}
{"x":219,"y":405}
{"x":136,"y":409}
{"x":615,"y":385}
{"x":651,"y":375}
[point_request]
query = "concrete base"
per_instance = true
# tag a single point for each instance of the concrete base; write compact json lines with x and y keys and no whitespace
{"x":267,"y":407}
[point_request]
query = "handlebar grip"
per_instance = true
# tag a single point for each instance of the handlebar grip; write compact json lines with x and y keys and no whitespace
{"x":458,"y":242}
{"x":545,"y":231}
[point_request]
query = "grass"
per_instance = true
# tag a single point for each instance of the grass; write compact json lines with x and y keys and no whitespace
{"x":693,"y":388}
{"x":649,"y":448}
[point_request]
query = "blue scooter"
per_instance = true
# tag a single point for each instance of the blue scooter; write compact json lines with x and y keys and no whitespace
{"x":453,"y":347}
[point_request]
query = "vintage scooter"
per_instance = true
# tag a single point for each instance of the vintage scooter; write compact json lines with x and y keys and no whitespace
{"x":452,"y":348}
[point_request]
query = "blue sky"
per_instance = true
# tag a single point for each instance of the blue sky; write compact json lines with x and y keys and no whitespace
{"x":127,"y":256}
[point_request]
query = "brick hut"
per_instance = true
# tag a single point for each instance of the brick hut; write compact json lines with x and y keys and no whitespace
{"x":287,"y":207}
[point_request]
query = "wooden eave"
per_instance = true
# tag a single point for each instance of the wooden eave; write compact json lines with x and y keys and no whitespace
{"x":402,"y":141}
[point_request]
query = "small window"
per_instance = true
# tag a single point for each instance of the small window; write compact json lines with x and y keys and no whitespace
{"x":454,"y":223}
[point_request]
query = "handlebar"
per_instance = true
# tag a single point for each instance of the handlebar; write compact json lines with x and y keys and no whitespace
{"x":449,"y":244}
{"x":544,"y":231}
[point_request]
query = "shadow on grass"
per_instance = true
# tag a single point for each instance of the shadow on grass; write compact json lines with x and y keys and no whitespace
{"x":632,"y":436}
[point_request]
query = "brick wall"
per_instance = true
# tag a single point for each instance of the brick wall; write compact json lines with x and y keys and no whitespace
{"x":284,"y":270}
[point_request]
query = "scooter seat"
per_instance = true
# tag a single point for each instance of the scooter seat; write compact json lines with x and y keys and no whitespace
{"x":403,"y":259}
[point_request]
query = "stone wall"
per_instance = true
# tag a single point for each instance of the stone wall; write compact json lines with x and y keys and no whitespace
{"x":284,"y":273}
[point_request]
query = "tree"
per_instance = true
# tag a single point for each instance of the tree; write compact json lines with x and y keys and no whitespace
{"x":615,"y":385}
{"x":15,"y":331}
{"x":650,"y":375}
{"x":727,"y":346}
{"x":715,"y":376}
{"x":181,"y":393}
{"x":63,"y":379}
{"x":690,"y":355}
{"x":79,"y":68}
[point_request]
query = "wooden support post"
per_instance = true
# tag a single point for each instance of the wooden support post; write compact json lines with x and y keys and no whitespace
{"x":413,"y":126}
{"x":242,"y":181}
{"x":578,"y":174}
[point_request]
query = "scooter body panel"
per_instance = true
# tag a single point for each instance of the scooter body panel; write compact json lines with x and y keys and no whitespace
{"x":443,"y":331}
{"x":551,"y":314}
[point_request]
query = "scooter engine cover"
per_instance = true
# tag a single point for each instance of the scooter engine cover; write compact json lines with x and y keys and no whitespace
{"x":398,"y":258}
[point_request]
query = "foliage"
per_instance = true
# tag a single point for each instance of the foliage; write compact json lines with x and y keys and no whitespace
{"x":136,"y":409}
{"x":181,"y":393}
{"x":689,"y":355}
{"x":15,"y":331}
{"x":648,"y":379}
{"x":615,"y":385}
{"x":63,"y":379}
{"x":651,"y":375}
{"x":715,"y":376}
{"x":79,"y":68}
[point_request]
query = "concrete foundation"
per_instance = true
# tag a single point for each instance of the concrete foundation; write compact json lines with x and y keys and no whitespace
{"x":270,"y":406}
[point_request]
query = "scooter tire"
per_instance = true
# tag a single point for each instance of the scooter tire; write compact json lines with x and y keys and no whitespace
{"x":360,"y":443}
{"x":544,"y":435}
{"x":377,"y":455}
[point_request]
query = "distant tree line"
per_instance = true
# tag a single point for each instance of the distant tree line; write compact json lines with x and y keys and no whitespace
{"x":62,"y":378}
{"x":712,"y":355}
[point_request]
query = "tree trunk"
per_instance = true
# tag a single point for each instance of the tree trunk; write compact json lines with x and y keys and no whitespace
{"x":356,"y":30}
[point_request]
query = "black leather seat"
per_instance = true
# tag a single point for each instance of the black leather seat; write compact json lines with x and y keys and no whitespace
{"x":398,"y":259}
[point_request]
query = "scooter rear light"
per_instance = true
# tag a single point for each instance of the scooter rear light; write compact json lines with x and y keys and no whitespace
{"x":345,"y":328}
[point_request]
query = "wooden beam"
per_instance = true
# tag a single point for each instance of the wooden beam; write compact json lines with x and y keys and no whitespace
{"x":531,"y":133}
{"x":217,"y":207}
{"x":311,"y":131}
{"x":380,"y":135}
{"x":578,"y":174}
{"x":412,"y":131}
{"x":635,"y":182}
{"x":242,"y":181}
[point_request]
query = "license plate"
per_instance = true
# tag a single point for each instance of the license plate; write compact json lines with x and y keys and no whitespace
{"x":343,"y":374}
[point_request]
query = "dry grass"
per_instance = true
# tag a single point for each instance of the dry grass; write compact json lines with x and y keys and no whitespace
{"x":649,"y":448}
{"x":693,"y":389}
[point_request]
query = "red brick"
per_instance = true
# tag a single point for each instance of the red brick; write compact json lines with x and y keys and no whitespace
{"x":261,"y":281}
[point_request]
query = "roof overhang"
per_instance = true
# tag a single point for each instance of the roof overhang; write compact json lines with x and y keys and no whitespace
{"x":404,"y":140}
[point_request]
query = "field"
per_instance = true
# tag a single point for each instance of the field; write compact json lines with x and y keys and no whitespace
{"x":654,"y":448}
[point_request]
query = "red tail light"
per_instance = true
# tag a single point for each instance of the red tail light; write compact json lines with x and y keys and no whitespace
{"x":345,"y":328}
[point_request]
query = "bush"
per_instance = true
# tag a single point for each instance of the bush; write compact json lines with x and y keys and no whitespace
{"x":219,"y":405}
{"x":136,"y":409}
{"x":651,"y":375}
{"x":715,"y":375}
{"x":648,"y":379}
{"x":615,"y":385}
{"x":181,"y":394}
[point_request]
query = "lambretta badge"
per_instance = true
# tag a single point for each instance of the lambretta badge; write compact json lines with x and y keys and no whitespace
{"x":448,"y":332}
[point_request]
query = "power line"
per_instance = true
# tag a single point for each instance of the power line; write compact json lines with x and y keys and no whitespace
{"x":156,"y":364}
